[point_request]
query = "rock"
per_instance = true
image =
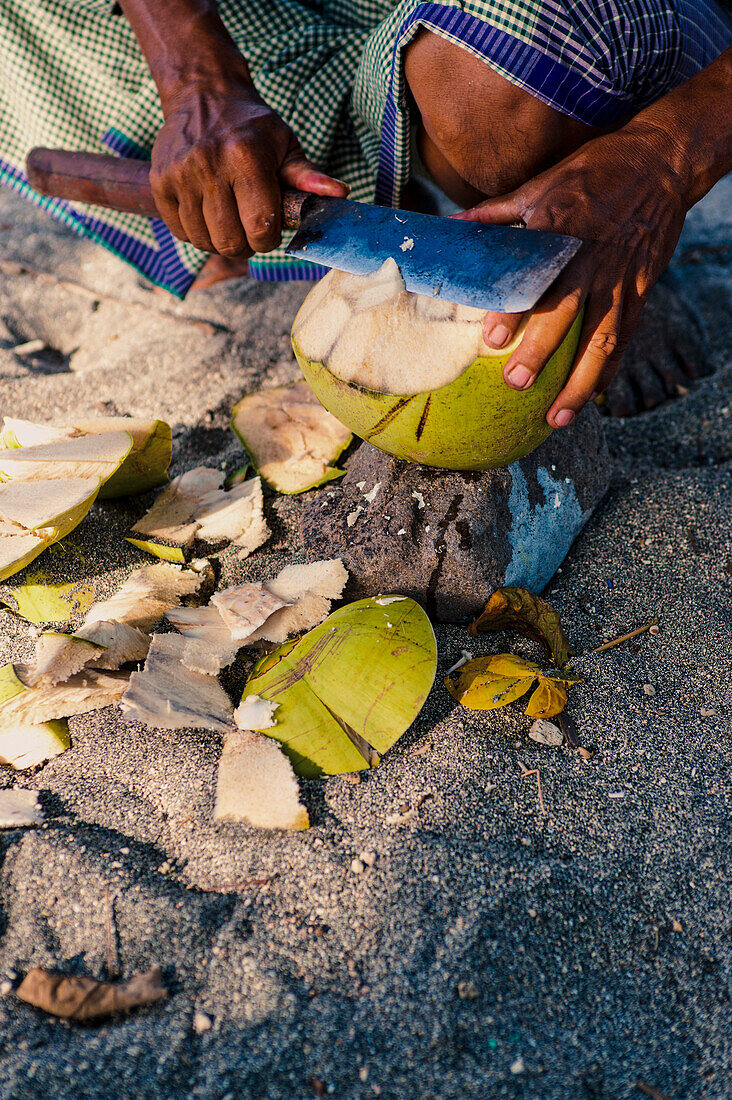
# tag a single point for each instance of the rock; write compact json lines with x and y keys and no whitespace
{"x":449,"y":539}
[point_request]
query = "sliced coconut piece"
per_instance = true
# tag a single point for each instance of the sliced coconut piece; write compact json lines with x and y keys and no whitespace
{"x":212,"y":645}
{"x":236,"y":516}
{"x":24,"y":747}
{"x":88,"y":456}
{"x":83,"y":692}
{"x":119,"y":643}
{"x":256,"y":784}
{"x":309,"y":589}
{"x":194,"y":505}
{"x":58,"y":657}
{"x":320,"y":329}
{"x":246,"y":607}
{"x":173,"y":516}
{"x":255,"y":713}
{"x":35,"y":514}
{"x":18,"y":808}
{"x":166,"y":695}
{"x":290,"y":437}
{"x":144,"y":468}
{"x":145,"y":596}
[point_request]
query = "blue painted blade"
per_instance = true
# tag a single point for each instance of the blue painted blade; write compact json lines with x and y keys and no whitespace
{"x":492,"y":267}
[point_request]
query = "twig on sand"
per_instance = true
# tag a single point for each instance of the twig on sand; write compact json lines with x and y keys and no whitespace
{"x":626,"y":637}
{"x":112,"y":969}
{"x":651,"y":1090}
{"x":525,"y":773}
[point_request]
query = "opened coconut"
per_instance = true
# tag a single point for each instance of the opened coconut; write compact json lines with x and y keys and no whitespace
{"x":412,"y":374}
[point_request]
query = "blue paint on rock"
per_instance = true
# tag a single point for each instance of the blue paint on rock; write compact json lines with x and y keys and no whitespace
{"x":541,"y":537}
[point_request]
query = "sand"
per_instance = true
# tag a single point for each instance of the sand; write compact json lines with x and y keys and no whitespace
{"x":492,"y":950}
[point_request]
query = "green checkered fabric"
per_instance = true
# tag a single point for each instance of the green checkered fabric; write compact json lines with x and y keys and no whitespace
{"x":72,"y":75}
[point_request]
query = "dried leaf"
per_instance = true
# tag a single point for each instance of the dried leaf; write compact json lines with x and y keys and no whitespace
{"x":550,"y":698}
{"x":491,"y":681}
{"x":529,"y":614}
{"x":80,"y":998}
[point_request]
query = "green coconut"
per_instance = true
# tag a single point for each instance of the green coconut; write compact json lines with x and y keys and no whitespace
{"x":412,"y":374}
{"x":145,"y":466}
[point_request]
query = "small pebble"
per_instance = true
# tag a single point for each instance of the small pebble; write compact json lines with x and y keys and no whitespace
{"x":518,"y":1067}
{"x":467,"y":991}
{"x":546,"y":733}
{"x":363,"y":1073}
{"x":5,"y":988}
{"x":354,"y":778}
{"x":201,"y":1023}
{"x":653,"y":630}
{"x":649,"y":689}
{"x":11,"y":974}
{"x":368,"y":858}
{"x":357,"y":866}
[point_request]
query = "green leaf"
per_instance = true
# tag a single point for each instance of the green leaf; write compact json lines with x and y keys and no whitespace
{"x":532,"y":616}
{"x":350,"y":688}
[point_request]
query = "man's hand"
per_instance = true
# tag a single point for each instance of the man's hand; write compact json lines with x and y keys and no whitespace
{"x":621,"y":197}
{"x":217,"y":167}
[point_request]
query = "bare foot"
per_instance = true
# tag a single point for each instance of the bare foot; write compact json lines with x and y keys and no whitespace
{"x":666,"y":355}
{"x":220,"y":268}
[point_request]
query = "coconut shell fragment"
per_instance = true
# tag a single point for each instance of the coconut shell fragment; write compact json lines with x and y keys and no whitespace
{"x":36,"y":514}
{"x":167,"y":695}
{"x":144,"y":468}
{"x":86,"y":457}
{"x":194,"y":506}
{"x":23,"y":747}
{"x":256,"y":784}
{"x":291,"y":439}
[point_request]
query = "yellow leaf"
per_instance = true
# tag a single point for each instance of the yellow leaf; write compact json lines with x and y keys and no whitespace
{"x":529,"y":614}
{"x":42,"y":601}
{"x":479,"y":688}
{"x":550,"y":698}
{"x":506,"y":664}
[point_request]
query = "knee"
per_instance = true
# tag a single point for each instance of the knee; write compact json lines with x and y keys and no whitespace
{"x":479,"y":134}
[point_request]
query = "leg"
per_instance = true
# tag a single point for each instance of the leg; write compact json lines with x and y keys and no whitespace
{"x":480,"y":136}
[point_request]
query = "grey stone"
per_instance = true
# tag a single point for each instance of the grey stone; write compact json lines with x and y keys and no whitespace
{"x":449,"y":539}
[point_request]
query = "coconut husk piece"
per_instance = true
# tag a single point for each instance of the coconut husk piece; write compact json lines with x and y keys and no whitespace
{"x":256,"y":784}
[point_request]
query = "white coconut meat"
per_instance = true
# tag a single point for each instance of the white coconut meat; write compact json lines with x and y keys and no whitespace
{"x":35,"y":514}
{"x":119,"y":643}
{"x":255,"y":713}
{"x":246,"y":607}
{"x":19,"y":808}
{"x":291,"y":439}
{"x":371,"y":331}
{"x":58,"y":657}
{"x":167,"y":695}
{"x":308,"y":591}
{"x":87,"y":690}
{"x":195,"y":506}
{"x":23,"y":747}
{"x":256,"y":784}
{"x":97,"y":456}
{"x":145,"y":596}
{"x":211,"y":645}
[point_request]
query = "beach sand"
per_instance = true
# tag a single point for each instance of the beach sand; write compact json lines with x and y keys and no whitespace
{"x":492,"y":950}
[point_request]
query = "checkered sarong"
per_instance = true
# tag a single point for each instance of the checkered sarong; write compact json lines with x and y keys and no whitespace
{"x":72,"y":75}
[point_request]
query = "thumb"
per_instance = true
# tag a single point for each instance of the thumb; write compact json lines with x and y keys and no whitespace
{"x":501,"y":210}
{"x":298,"y":172}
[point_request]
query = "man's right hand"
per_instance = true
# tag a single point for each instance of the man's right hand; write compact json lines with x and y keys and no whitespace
{"x":218,"y":164}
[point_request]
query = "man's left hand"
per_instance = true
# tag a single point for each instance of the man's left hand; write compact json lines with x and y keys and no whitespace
{"x":620,"y":196}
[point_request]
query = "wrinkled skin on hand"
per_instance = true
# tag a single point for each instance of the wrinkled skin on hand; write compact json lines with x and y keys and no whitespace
{"x":218,"y":164}
{"x":619,"y":195}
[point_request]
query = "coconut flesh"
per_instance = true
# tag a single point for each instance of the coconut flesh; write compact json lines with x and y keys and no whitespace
{"x":412,"y":374}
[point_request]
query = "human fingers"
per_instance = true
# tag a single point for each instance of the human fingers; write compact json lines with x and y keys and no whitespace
{"x":502,"y":210}
{"x":257,"y":195}
{"x":221,"y":214}
{"x":166,"y":201}
{"x":499,"y":329}
{"x":601,"y":345}
{"x":298,"y":172}
{"x":190,"y":213}
{"x":550,"y":322}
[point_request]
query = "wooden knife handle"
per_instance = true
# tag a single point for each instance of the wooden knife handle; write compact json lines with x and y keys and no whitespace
{"x":116,"y":182}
